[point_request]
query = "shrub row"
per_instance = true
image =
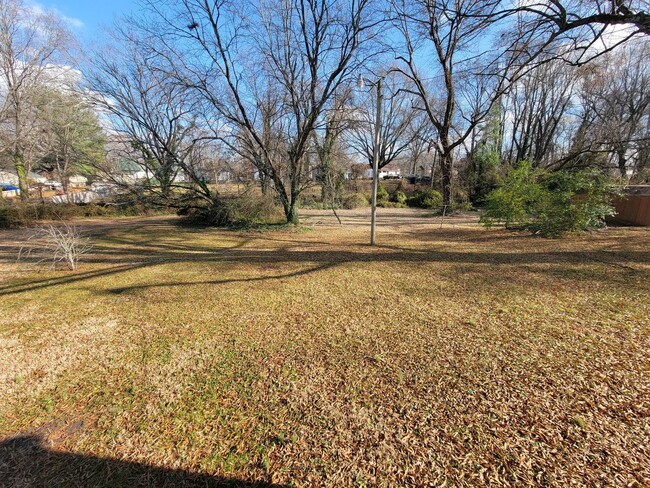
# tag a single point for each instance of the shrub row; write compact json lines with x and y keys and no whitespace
{"x":427,"y":198}
{"x":19,"y":214}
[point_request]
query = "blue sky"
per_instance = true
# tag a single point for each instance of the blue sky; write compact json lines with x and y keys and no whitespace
{"x":86,"y":17}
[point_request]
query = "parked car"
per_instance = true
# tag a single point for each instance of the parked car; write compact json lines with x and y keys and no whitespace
{"x":414,"y":179}
{"x":8,"y":187}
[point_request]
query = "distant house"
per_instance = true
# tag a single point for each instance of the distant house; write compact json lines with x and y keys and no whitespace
{"x":128,"y":172}
{"x":390,"y":171}
{"x":78,"y":181}
{"x":10,"y":177}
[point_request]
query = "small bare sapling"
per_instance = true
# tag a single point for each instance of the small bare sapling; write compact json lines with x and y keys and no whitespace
{"x":62,"y":243}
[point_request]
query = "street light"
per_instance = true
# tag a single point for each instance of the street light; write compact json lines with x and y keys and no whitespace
{"x":375,"y":153}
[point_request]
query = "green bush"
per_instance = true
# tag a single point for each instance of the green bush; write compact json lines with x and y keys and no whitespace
{"x":430,"y":199}
{"x":19,"y":214}
{"x":514,"y":200}
{"x":384,"y":198}
{"x":482,"y":173}
{"x":313,"y":202}
{"x":574,"y":202}
{"x":399,"y":197}
{"x":14,"y":216}
{"x":354,"y":200}
{"x":550,"y":203}
{"x":389,"y":204}
{"x":460,"y":200}
{"x":382,"y":193}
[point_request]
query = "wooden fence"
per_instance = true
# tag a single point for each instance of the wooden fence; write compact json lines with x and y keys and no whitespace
{"x":633,"y":208}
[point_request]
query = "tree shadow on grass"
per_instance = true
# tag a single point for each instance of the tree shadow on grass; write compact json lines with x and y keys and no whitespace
{"x":117,"y":254}
{"x":321,"y":259}
{"x":25,"y":462}
{"x":15,"y":288}
{"x":127,"y":289}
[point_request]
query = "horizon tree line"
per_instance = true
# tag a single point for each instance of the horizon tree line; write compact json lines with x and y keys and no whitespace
{"x":475,"y":87}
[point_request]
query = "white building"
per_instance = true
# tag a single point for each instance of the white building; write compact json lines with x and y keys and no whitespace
{"x":11,"y":177}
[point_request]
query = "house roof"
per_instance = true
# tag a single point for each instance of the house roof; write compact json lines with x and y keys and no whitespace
{"x":127,"y":166}
{"x":31,"y":175}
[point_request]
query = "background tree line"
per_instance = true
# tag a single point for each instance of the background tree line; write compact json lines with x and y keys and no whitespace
{"x":472,"y":88}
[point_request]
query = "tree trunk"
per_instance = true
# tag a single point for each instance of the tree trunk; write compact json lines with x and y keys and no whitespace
{"x":287,"y":199}
{"x":325,"y":193}
{"x":622,"y":162}
{"x":264,"y":182}
{"x":290,"y":210}
{"x":292,"y":214}
{"x":21,"y":171}
{"x":433,"y":169}
{"x":446,"y":164}
{"x":326,"y":182}
{"x":63,"y":175}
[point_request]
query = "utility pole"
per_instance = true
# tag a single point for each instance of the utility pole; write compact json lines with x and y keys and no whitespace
{"x":375,"y":163}
{"x":376,"y":150}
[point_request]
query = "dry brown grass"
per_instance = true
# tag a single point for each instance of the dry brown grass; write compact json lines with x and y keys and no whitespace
{"x":450,"y":355}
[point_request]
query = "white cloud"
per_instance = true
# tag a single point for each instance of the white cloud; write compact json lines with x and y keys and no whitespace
{"x":76,"y":23}
{"x":39,"y":9}
{"x":615,"y":34}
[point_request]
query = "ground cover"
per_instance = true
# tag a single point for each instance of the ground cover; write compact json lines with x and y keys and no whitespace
{"x":450,"y":354}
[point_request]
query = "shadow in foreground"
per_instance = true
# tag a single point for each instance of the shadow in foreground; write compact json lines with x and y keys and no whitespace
{"x":24,"y":462}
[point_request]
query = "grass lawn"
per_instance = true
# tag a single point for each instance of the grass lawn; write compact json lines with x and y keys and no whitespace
{"x":450,"y":355}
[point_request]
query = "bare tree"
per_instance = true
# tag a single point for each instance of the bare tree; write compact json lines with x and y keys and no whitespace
{"x":457,"y":76}
{"x":30,"y":44}
{"x":327,"y":145}
{"x":401,"y":123}
{"x":539,"y":107}
{"x":295,"y":53}
{"x":560,"y":116}
{"x":616,"y":98}
{"x":61,"y":243}
{"x":150,"y":111}
{"x":642,"y":173}
{"x":272,"y":134}
{"x":558,"y":17}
